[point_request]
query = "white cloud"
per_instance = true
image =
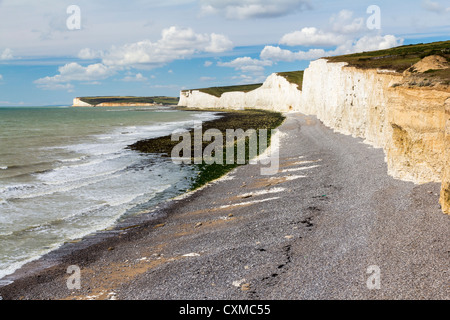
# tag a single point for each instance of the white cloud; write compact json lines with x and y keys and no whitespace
{"x":1,"y":78}
{"x":434,"y":7}
{"x":219,"y":43}
{"x":311,"y":37}
{"x":344,"y":34}
{"x":344,"y":24}
{"x":175,"y":43}
{"x":245,"y":9}
{"x":277,"y":54}
{"x":7,"y":54}
{"x":341,"y":27}
{"x":208,"y":63}
{"x":207,"y":78}
{"x":138,"y":77}
{"x":165,"y":86}
{"x":252,"y":70}
{"x":74,"y":72}
{"x":246,"y":79}
{"x":247,"y":64}
{"x":56,"y":86}
{"x":87,"y":54}
{"x":366,"y":43}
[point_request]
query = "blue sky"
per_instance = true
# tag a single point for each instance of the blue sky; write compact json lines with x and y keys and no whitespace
{"x":49,"y":54}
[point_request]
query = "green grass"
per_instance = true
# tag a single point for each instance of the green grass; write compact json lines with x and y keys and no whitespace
{"x":236,"y":119}
{"x":295,"y":77}
{"x":398,"y":58}
{"x":130,"y":99}
{"x":218,"y":91}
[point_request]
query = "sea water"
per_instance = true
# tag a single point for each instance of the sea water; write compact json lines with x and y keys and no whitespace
{"x":67,"y":172}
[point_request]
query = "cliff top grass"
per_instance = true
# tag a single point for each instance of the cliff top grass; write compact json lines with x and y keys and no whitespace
{"x":295,"y":77}
{"x":130,"y":99}
{"x":218,"y":91}
{"x":399,"y":58}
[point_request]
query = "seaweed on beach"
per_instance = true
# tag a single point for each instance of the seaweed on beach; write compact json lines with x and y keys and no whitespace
{"x":236,"y":119}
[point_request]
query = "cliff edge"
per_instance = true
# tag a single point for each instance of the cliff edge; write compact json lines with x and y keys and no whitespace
{"x":380,"y":96}
{"x":276,"y":93}
{"x":411,"y":123}
{"x":123,"y":101}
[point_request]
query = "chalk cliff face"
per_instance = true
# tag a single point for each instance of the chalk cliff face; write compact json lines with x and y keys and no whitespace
{"x":445,"y":190}
{"x":77,"y":102}
{"x":411,"y":124}
{"x":275,"y":94}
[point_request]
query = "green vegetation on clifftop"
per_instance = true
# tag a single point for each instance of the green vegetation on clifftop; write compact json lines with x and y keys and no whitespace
{"x":399,"y":58}
{"x":295,"y":77}
{"x":130,"y":99}
{"x":218,"y":91}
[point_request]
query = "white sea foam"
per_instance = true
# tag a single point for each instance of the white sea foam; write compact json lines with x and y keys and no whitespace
{"x":73,"y":159}
{"x":93,"y":184}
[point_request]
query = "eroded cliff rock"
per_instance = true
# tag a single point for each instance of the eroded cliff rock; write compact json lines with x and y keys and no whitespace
{"x":411,"y":123}
{"x":77,"y":102}
{"x":445,"y":189}
{"x":276,"y":93}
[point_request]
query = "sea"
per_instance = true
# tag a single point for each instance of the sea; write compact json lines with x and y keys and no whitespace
{"x":66,"y":172}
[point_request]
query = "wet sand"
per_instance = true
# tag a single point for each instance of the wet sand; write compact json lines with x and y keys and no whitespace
{"x":309,"y":232}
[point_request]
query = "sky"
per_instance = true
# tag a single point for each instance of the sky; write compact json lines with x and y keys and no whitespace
{"x":54,"y":50}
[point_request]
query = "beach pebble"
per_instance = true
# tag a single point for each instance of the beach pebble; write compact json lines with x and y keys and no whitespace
{"x":112,"y":296}
{"x":245,"y":287}
{"x":198,"y":225}
{"x":193,"y":254}
{"x":238,"y":283}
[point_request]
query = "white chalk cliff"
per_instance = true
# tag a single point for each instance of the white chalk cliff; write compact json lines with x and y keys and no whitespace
{"x":410,"y":123}
{"x":77,"y":102}
{"x":276,"y":93}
